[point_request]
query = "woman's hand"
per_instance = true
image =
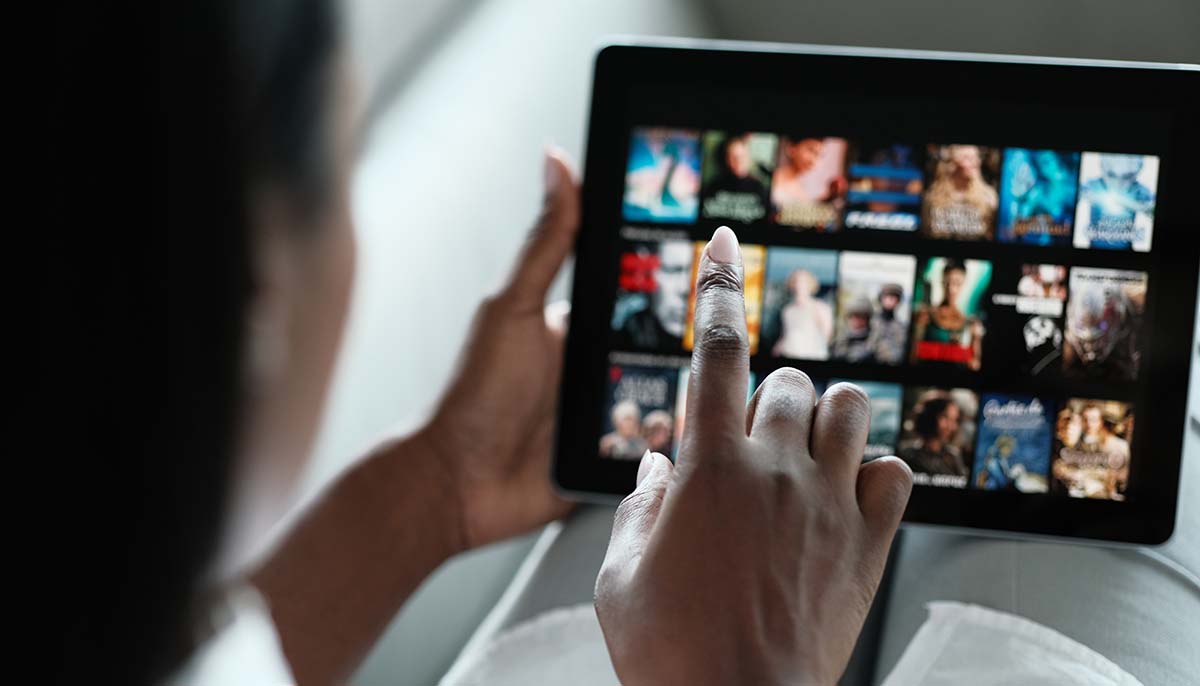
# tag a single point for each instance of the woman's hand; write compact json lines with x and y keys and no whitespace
{"x":494,"y":427}
{"x":754,"y":559}
{"x":479,"y":471}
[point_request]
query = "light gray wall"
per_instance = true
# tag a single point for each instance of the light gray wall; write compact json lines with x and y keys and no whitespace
{"x":1156,"y":30}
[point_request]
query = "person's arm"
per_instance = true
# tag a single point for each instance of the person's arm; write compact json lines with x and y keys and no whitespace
{"x":476,"y":473}
{"x":348,"y":566}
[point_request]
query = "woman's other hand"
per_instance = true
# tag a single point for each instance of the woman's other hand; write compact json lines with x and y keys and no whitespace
{"x":755,"y":558}
{"x":494,"y":428}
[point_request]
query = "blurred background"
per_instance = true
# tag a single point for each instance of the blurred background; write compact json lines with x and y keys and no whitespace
{"x":459,"y":97}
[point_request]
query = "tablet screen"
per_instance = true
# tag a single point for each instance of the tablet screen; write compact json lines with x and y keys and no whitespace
{"x":986,"y":268}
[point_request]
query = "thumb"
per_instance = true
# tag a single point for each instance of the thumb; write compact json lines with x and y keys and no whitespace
{"x":552,"y":237}
{"x":635,"y":518}
{"x":884,"y":485}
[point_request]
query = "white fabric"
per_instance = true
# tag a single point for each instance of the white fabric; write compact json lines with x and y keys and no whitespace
{"x":562,"y":646}
{"x":969,"y":644}
{"x":958,"y":644}
{"x":245,"y":650}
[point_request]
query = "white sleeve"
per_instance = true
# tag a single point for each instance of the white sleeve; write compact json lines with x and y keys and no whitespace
{"x":245,"y":650}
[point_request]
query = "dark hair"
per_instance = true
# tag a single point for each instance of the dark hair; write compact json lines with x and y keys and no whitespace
{"x":244,"y":86}
{"x":723,"y":149}
{"x":954,"y":264}
{"x":926,"y":423}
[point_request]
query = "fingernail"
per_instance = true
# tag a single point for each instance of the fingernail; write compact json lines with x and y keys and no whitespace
{"x":551,"y":171}
{"x":644,"y":466}
{"x":724,"y":246}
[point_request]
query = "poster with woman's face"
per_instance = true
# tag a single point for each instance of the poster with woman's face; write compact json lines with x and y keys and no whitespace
{"x":937,"y":437}
{"x":809,"y":186}
{"x":960,"y":196}
{"x":798,"y":303}
{"x":949,"y":317}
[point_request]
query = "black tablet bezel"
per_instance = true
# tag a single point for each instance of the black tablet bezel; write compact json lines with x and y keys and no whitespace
{"x":700,"y":70}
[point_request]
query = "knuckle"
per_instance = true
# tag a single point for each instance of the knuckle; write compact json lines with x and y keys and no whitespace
{"x":635,"y":505}
{"x":541,"y":233}
{"x":790,"y":380}
{"x":896,"y":478}
{"x":719,"y":278}
{"x":492,"y":308}
{"x":848,"y":399}
{"x":786,"y":394}
{"x":722,"y":341}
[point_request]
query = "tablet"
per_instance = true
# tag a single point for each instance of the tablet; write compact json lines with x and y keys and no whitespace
{"x":1002,"y":252}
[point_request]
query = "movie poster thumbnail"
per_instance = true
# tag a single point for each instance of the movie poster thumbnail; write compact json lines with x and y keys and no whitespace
{"x":937,"y":439}
{"x":809,"y":187}
{"x":948,"y":321}
{"x":662,"y":178}
{"x":737,"y":175}
{"x":886,"y":399}
{"x":641,"y":403}
{"x":653,"y":287}
{"x":961,"y":199}
{"x":1013,"y":450}
{"x":1037,"y":196}
{"x":1103,"y":324}
{"x":681,"y":406}
{"x":1027,"y":317}
{"x":1116,"y":201}
{"x":885,"y":187}
{"x":754,"y":258}
{"x":1091,"y":449}
{"x":798,"y":303}
{"x":874,"y":300}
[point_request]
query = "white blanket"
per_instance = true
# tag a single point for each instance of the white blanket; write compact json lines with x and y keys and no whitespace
{"x":958,"y":644}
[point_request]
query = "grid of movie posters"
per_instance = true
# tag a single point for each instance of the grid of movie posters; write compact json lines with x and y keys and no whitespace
{"x":950,"y":437}
{"x":952,"y":191}
{"x":939,"y":335}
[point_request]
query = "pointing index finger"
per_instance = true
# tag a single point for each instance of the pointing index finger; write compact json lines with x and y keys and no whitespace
{"x":716,"y":403}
